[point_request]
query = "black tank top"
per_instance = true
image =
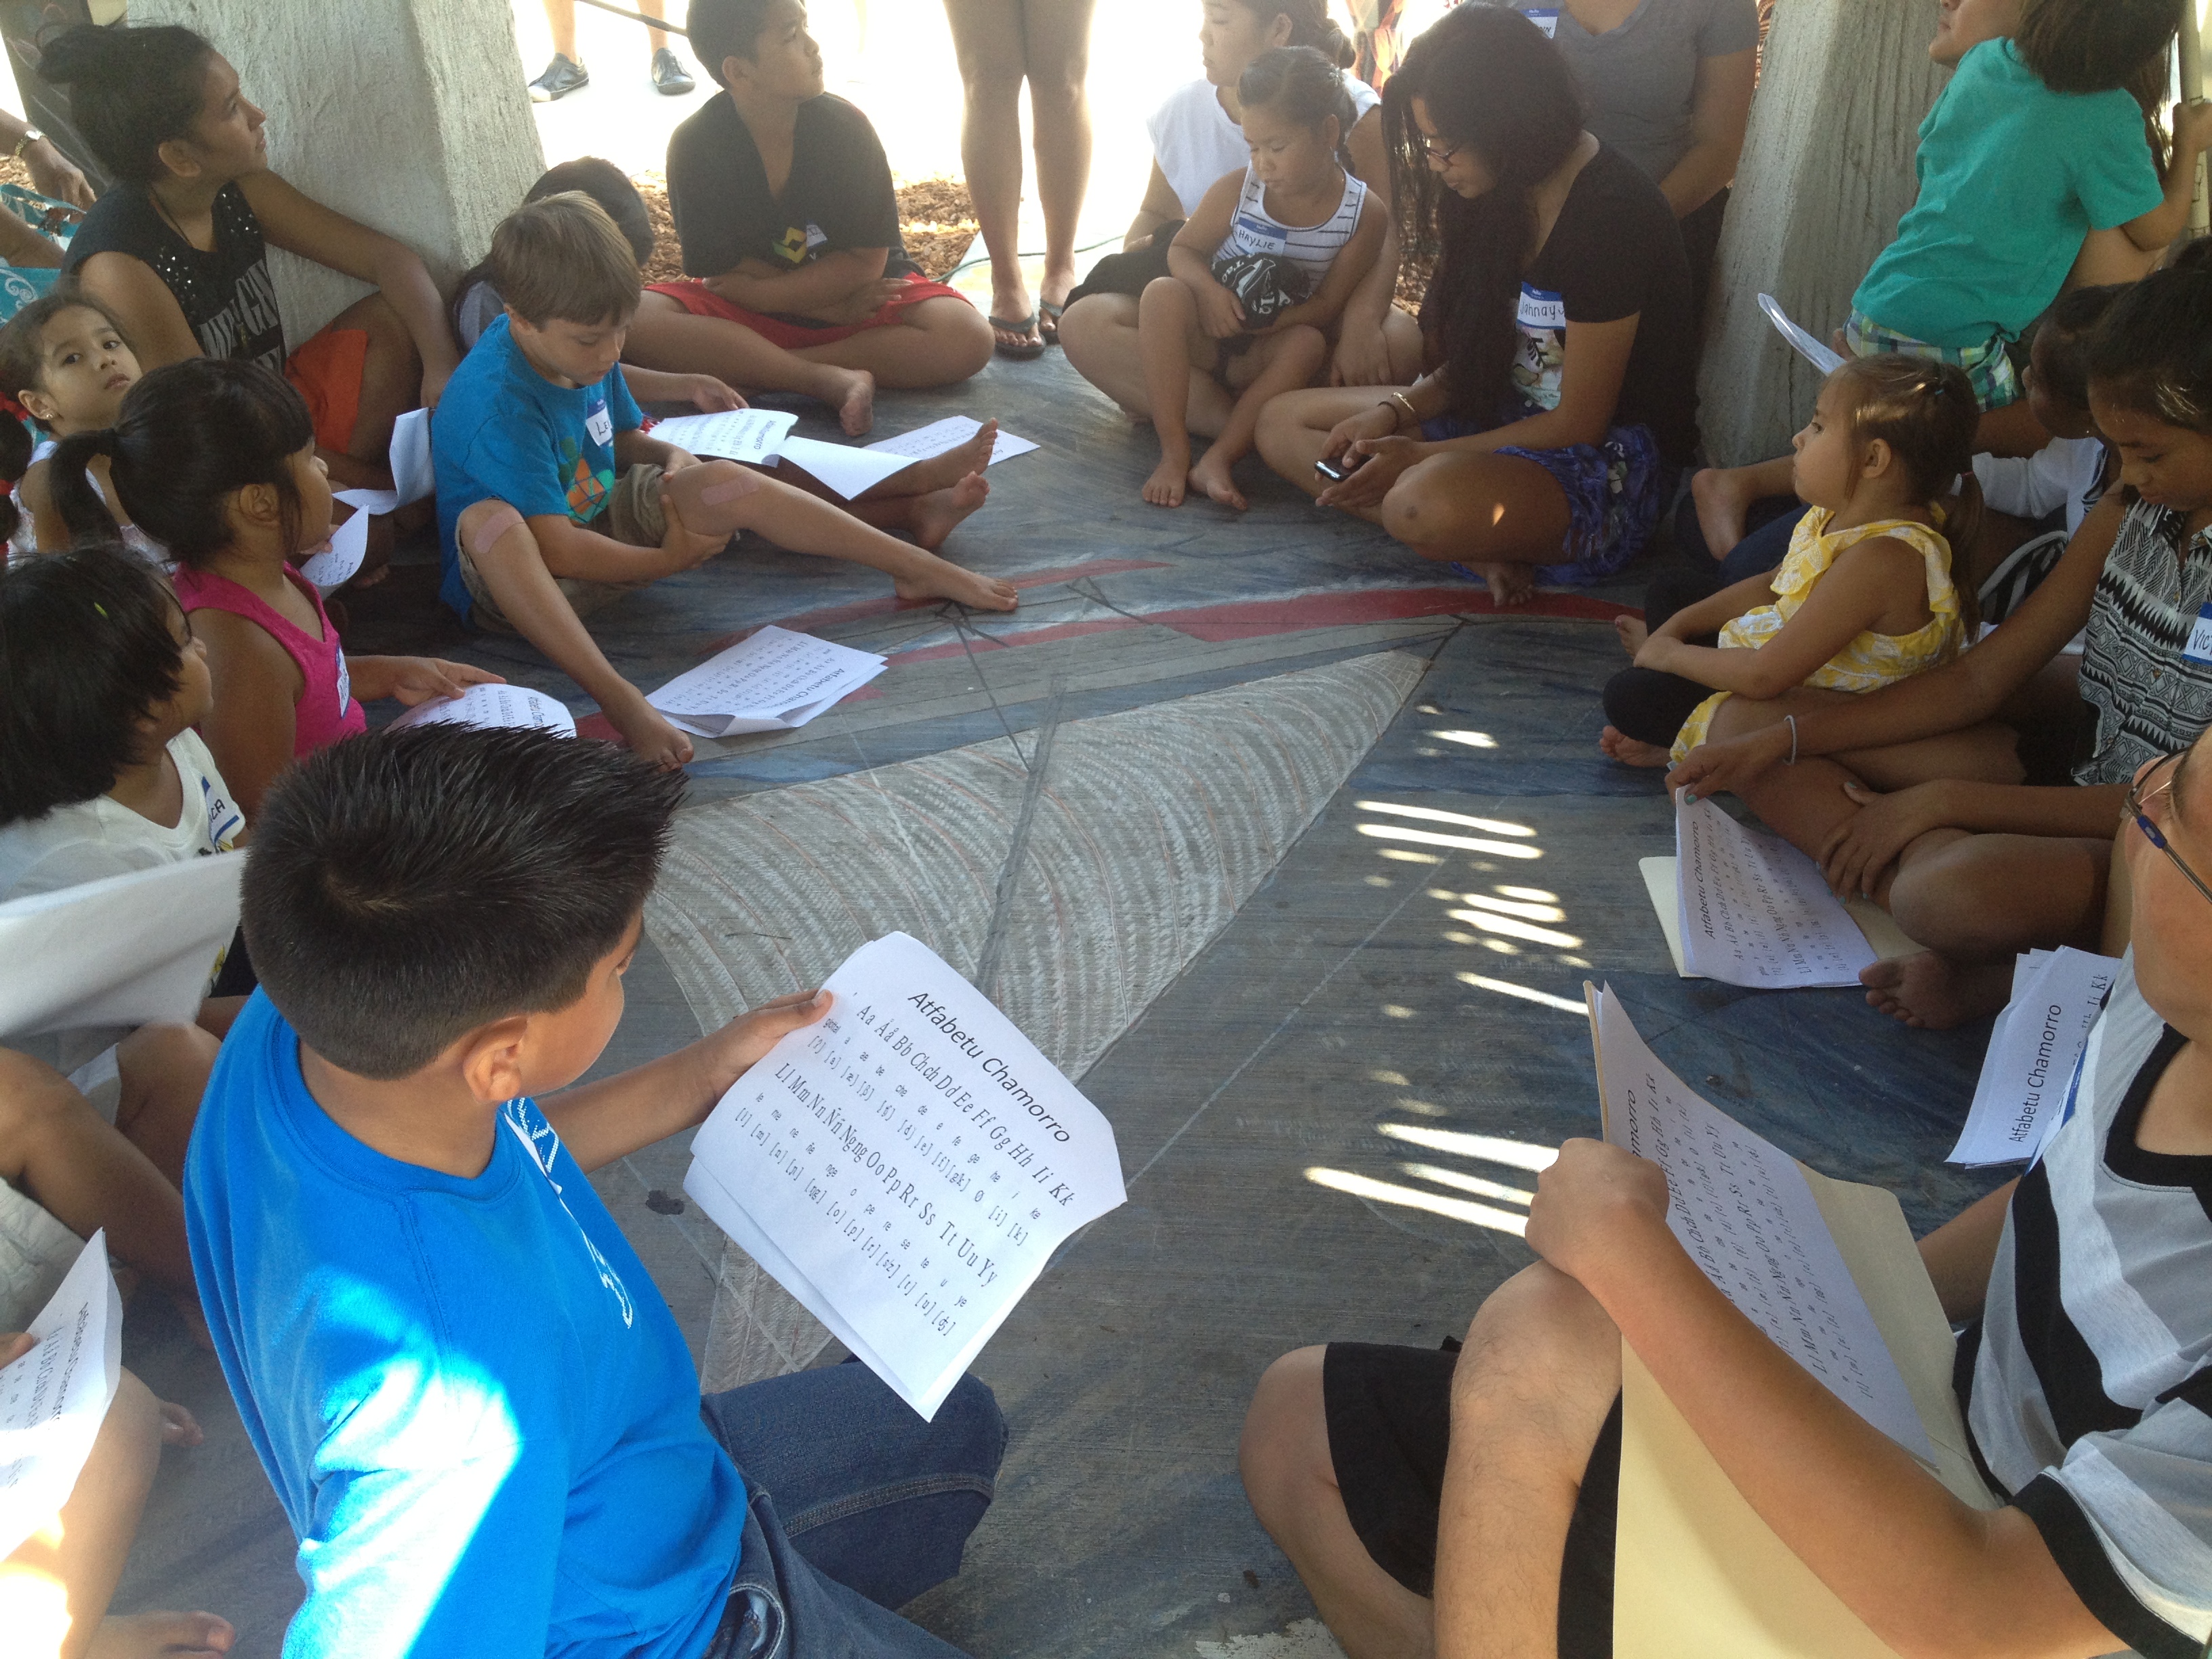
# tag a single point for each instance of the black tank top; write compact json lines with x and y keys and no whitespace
{"x":226,"y":295}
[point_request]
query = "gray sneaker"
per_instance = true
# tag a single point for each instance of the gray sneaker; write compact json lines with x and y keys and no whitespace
{"x":670,"y":78}
{"x":560,"y":78}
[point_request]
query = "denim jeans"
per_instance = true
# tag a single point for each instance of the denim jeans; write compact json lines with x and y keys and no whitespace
{"x":855,"y":1506}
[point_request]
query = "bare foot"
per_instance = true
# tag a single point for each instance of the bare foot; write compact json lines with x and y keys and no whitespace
{"x":647,"y":732}
{"x":940,"y":471}
{"x":179,"y":1426}
{"x":1632,"y":633}
{"x":149,"y":1635}
{"x":937,"y":578}
{"x":936,"y":513}
{"x":1217,"y":480}
{"x":854,"y":392}
{"x":1169,"y":480}
{"x":1934,"y":993}
{"x":1509,"y":584}
{"x":1630,"y":751}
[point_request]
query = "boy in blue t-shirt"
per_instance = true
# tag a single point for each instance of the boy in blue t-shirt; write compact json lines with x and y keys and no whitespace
{"x":553,"y":502}
{"x":473,"y":1402}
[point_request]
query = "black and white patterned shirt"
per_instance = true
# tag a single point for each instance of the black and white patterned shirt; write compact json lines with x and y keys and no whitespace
{"x":2149,"y":698}
{"x":2091,"y":1400}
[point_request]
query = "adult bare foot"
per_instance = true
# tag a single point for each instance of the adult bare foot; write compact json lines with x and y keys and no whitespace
{"x":1630,"y":751}
{"x":1631,"y":633}
{"x":852,"y":394}
{"x":940,"y":471}
{"x":646,"y":731}
{"x":1169,"y":481}
{"x":936,"y":513}
{"x":1509,"y":584}
{"x":1217,"y":480}
{"x":153,"y":1635}
{"x":1934,"y":993}
{"x":938,"y":578}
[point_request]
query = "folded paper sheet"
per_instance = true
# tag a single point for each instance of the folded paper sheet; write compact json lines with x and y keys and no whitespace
{"x":851,"y":471}
{"x":492,"y":707}
{"x":773,"y":681}
{"x":409,"y":456}
{"x":1754,"y":910}
{"x":752,"y":435}
{"x":123,"y":951}
{"x":906,"y":1166}
{"x":54,"y":1398}
{"x":2056,"y":996}
{"x":1824,"y":358}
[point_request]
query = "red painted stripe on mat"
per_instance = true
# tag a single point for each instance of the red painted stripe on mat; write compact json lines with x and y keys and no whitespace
{"x":1035,"y":637}
{"x":1248,"y":619}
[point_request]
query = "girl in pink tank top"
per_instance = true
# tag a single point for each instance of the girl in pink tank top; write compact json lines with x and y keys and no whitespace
{"x":216,"y":460}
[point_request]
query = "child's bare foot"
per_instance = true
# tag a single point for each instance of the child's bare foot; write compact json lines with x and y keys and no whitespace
{"x":1933,"y":993}
{"x":179,"y":1426}
{"x":161,"y":1636}
{"x":853,"y":391}
{"x":1217,"y":480}
{"x":1169,"y":480}
{"x":646,"y":731}
{"x":1632,"y":633}
{"x":938,"y":579}
{"x":936,"y":513}
{"x":1630,"y":751}
{"x":941,"y":471}
{"x":1509,"y":584}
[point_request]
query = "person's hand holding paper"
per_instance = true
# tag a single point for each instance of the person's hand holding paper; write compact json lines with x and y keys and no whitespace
{"x":1598,"y":1206}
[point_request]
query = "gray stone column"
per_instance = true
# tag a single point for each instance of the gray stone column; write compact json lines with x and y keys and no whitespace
{"x":410,"y":116}
{"x":1826,"y":171}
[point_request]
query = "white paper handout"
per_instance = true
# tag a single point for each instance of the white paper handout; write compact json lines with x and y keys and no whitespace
{"x":906,"y":1166}
{"x":341,"y":556}
{"x":754,"y":435}
{"x":122,"y":950}
{"x":54,"y":1398}
{"x":409,"y":456}
{"x":849,"y":471}
{"x":1743,"y":1209}
{"x":950,"y":433}
{"x":1821,"y":357}
{"x":493,"y":706}
{"x":2056,"y":996}
{"x":773,"y":681}
{"x":1754,"y":910}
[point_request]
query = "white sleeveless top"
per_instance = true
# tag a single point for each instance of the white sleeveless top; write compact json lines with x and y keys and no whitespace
{"x":25,"y":541}
{"x":1313,"y":248}
{"x":1195,"y":143}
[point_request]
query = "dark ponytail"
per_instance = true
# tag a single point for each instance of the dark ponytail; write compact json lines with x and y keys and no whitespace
{"x":1493,"y":82}
{"x":1305,"y":87}
{"x":131,"y":90}
{"x":189,"y":434}
{"x":1311,"y":26}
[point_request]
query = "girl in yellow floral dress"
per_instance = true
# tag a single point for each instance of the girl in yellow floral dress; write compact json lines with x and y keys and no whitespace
{"x":1865,"y":595}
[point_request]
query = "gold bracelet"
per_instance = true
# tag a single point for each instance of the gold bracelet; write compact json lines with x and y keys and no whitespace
{"x":1407,"y":404}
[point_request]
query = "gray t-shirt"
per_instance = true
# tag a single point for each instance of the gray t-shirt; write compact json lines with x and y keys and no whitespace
{"x":1639,"y":77}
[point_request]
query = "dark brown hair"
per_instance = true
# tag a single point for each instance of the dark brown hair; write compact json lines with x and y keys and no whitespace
{"x":563,"y":258}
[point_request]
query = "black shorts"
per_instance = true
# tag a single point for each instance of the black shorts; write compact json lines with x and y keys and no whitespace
{"x":1389,"y":1426}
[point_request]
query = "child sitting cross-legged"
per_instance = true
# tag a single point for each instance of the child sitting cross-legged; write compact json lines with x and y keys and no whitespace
{"x":1865,"y":596}
{"x":554,"y":502}
{"x":474,"y":1403}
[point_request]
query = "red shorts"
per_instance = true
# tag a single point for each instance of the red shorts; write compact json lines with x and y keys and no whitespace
{"x":327,"y":370}
{"x":695,"y":297}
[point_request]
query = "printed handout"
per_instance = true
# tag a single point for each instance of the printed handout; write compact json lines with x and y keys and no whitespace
{"x":1743,"y":1209}
{"x":1754,"y":910}
{"x":952,"y":431}
{"x":775,"y":681}
{"x":2056,"y":996}
{"x":409,"y":455}
{"x":1823,"y":358}
{"x":851,"y":471}
{"x":906,"y":1166}
{"x":491,"y":707}
{"x":753,"y":435}
{"x":54,"y":1398}
{"x":341,"y":556}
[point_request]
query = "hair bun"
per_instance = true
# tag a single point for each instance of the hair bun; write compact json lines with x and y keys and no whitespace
{"x":1333,"y":44}
{"x":87,"y":53}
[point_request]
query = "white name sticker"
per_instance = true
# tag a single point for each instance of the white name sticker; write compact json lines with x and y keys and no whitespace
{"x":1260,"y":236}
{"x":814,"y":238}
{"x":2199,"y":647}
{"x":345,"y":686}
{"x":1545,"y":18}
{"x":600,"y":425}
{"x":1541,"y":309}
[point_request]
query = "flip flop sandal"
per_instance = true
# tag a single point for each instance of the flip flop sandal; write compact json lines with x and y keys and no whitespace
{"x":1030,"y":350}
{"x":1049,"y":323}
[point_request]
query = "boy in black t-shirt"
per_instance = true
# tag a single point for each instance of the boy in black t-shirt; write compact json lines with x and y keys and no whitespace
{"x":798,"y":279}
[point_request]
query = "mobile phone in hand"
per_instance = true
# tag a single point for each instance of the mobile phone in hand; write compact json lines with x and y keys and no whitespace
{"x":1337,"y":472}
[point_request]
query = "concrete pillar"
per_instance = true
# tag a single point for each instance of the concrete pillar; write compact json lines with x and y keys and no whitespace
{"x":410,"y":116}
{"x":1827,"y":172}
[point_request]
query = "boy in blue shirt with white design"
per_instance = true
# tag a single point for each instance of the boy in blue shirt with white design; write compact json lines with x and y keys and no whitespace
{"x":473,"y":1402}
{"x":553,"y":502}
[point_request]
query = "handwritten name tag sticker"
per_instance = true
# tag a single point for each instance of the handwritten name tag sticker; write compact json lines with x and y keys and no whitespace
{"x":1539,"y":307}
{"x":600,"y":425}
{"x":1545,"y":18}
{"x":1269,"y":239}
{"x":2199,"y":646}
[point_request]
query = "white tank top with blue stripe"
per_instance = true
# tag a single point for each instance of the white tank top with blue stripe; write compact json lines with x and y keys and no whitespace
{"x":1313,"y":248}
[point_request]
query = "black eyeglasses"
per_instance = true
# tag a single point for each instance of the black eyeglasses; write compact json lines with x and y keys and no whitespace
{"x":1440,"y":155}
{"x":2138,"y":798}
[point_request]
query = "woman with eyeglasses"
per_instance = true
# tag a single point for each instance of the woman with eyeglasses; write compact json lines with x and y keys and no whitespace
{"x":1974,"y":864}
{"x":1561,"y":398}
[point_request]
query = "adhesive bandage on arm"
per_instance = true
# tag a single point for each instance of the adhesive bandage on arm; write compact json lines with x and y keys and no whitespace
{"x":485,"y":533}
